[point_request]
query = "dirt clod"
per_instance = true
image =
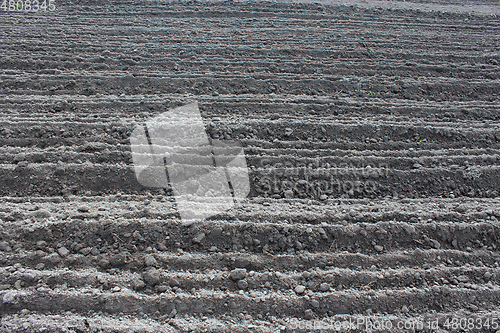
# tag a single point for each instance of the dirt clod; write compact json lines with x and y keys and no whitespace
{"x":4,"y":246}
{"x":238,"y":274}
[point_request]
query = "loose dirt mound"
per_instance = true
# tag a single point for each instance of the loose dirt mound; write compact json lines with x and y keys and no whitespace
{"x":372,"y":139}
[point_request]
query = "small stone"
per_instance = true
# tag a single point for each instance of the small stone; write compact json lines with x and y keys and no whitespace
{"x":309,"y":314}
{"x":117,"y":261}
{"x":150,"y":261}
{"x":315,"y":303}
{"x":104,"y":263}
{"x":288,"y":194}
{"x":417,"y":166}
{"x":116,"y":289}
{"x":288,"y":131}
{"x":95,"y":251}
{"x":216,"y":232}
{"x":241,"y":263}
{"x":151,"y":276}
{"x":19,"y":157}
{"x":53,"y":258}
{"x":40,"y":266}
{"x":138,"y":284}
{"x":9,"y":297}
{"x":83,"y":209}
{"x":4,"y":246}
{"x":324,"y":287}
{"x":242,"y":284}
{"x":63,"y":251}
{"x":435,"y":244}
{"x":417,"y":252}
{"x":238,"y":274}
{"x":300,"y":289}
{"x":473,"y":307}
{"x":463,"y":278}
{"x":41,"y":214}
{"x":162,"y":288}
{"x":379,"y":248}
{"x":323,"y":197}
{"x":405,"y":309}
{"x":487,"y":275}
{"x":173,"y":282}
{"x":409,"y":229}
{"x":435,"y":289}
{"x":267,"y":284}
{"x":18,"y":284}
{"x":199,"y":237}
{"x":85,"y":251}
{"x":161,"y":247}
{"x":446,"y":290}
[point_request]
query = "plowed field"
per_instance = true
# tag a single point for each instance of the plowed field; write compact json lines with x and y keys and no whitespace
{"x":371,"y":132}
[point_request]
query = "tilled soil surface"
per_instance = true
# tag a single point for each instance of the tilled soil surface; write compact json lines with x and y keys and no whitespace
{"x":372,"y":138}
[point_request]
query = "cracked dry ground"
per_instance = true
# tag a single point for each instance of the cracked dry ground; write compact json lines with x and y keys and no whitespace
{"x":391,"y":115}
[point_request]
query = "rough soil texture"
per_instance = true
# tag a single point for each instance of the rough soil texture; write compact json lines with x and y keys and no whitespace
{"x":371,"y":134}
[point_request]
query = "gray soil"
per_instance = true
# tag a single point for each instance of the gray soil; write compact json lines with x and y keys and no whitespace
{"x":372,"y":134}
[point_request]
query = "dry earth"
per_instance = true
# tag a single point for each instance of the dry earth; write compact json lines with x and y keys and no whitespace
{"x":372,"y":136}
